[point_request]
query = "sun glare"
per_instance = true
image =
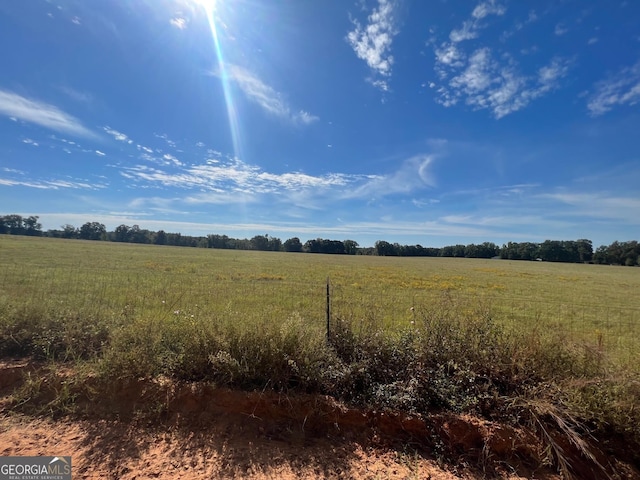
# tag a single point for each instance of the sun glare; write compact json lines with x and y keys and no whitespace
{"x":209,"y":7}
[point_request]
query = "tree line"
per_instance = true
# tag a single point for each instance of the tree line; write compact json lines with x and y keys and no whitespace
{"x":571,"y":251}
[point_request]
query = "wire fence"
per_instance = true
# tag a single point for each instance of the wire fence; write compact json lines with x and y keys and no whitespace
{"x":258,"y":297}
{"x":609,"y":328}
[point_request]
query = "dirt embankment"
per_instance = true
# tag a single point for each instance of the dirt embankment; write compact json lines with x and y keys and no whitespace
{"x":159,"y":429}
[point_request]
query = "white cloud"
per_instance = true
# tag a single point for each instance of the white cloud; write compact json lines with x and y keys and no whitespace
{"x":172,"y":159}
{"x":485,"y":80}
{"x":412,"y":175}
{"x":491,"y":79}
{"x":29,"y":141}
{"x":485,"y":83}
{"x":166,"y":138}
{"x":304,"y":117}
{"x":146,"y":149}
{"x":623,"y":88}
{"x":448,"y":54}
{"x":592,"y":41}
{"x":52,"y":184}
{"x":43,"y":114}
{"x":470,"y":28}
{"x":224,"y":178}
{"x":232,"y":175}
{"x":121,"y":137}
{"x":490,"y":7}
{"x":560,"y":29}
{"x":77,"y":95}
{"x":265,"y":96}
{"x":599,"y":205}
{"x":519,"y":25}
{"x":372,"y":43}
{"x":468,"y":31}
{"x":100,"y":154}
{"x":13,"y":170}
{"x":179,"y":22}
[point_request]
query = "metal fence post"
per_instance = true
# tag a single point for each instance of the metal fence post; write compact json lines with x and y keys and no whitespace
{"x":328,"y":311}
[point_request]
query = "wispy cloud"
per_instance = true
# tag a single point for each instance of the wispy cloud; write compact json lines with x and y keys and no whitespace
{"x":599,"y":205}
{"x":55,"y":184}
{"x":41,"y":113}
{"x":172,"y":159}
{"x":471,"y":27}
{"x":266,"y":97}
{"x":490,"y":7}
{"x":179,"y":22}
{"x":372,"y":42}
{"x":519,"y":25}
{"x":621,"y":88}
{"x":560,"y":29}
{"x":228,"y":179}
{"x":486,"y":84}
{"x":77,"y":95}
{"x":486,"y":79}
{"x":413,"y":174}
{"x":233,"y":175}
{"x":119,"y":136}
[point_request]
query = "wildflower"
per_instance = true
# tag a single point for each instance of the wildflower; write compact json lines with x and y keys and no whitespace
{"x":177,"y":312}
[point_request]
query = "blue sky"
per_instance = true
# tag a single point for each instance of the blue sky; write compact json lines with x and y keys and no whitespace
{"x":431,"y":122}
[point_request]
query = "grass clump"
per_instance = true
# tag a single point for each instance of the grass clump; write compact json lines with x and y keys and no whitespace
{"x":45,"y":331}
{"x":451,"y":356}
{"x":281,"y":356}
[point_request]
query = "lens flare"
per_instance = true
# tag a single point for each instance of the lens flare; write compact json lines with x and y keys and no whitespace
{"x":209,"y":6}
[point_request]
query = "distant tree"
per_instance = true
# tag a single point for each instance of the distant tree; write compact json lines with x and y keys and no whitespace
{"x":220,"y":241}
{"x":585,"y":249}
{"x":600,"y":255}
{"x":293,"y":245}
{"x":92,"y":231}
{"x":13,"y":225}
{"x":453,"y":251}
{"x":551,"y":251}
{"x":472,"y":251}
{"x":69,"y":231}
{"x":32,"y":227}
{"x":260,"y":242}
{"x":274,"y":245}
{"x":313,"y":246}
{"x":432,"y":252}
{"x":384,"y":249}
{"x":121,"y":233}
{"x":160,"y":238}
{"x":138,"y":235}
{"x":350,"y":247}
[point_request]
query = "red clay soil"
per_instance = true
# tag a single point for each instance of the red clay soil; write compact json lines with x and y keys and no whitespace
{"x":143,"y":429}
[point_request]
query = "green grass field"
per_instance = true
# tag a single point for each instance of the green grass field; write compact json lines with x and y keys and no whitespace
{"x":589,"y":304}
